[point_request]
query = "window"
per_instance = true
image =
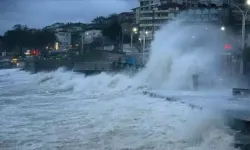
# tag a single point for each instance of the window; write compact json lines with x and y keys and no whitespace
{"x":146,"y":21}
{"x":146,"y":15}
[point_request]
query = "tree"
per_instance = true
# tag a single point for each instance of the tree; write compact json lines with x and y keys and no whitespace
{"x":114,"y":32}
{"x":1,"y":43}
{"x":22,"y":37}
{"x":20,"y":27}
{"x":113,"y":17}
{"x":99,"y":20}
{"x":17,"y":27}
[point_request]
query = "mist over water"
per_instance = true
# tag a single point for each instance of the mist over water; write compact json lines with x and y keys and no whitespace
{"x":66,"y":110}
{"x":180,"y":51}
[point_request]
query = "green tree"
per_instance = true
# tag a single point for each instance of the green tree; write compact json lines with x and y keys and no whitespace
{"x":99,"y":20}
{"x":22,"y":37}
{"x":113,"y":17}
{"x":1,"y":42}
{"x":17,"y":27}
{"x":113,"y":32}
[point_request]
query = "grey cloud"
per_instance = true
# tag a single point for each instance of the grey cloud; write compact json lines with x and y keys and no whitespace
{"x":39,"y":13}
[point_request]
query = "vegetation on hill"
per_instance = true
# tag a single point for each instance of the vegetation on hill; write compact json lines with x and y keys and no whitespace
{"x":21,"y":37}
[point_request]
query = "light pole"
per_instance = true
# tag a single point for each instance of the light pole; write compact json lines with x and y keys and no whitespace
{"x":229,"y":63}
{"x":145,"y":33}
{"x":243,"y":30}
{"x":134,"y":31}
{"x":140,"y":42}
{"x":222,"y":28}
{"x":244,"y":17}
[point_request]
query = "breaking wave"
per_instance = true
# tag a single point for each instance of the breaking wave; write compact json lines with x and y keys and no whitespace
{"x":178,"y":52}
{"x":109,"y":109}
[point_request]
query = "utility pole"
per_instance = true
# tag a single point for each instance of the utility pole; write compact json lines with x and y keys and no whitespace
{"x":244,"y":18}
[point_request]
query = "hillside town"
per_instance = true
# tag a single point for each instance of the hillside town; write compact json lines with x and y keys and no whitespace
{"x":164,"y":75}
{"x":130,"y":33}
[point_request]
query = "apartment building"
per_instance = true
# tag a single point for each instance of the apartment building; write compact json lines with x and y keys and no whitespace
{"x":91,"y":33}
{"x":150,"y":17}
{"x":152,"y":14}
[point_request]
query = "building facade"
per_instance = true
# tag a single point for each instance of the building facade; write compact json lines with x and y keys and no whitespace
{"x":89,"y":36}
{"x":63,"y":41}
{"x":152,"y":14}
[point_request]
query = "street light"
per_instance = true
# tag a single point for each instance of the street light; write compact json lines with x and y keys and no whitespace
{"x":222,"y":28}
{"x":248,"y":2}
{"x":134,"y":31}
{"x":140,"y":42}
{"x":144,"y":39}
{"x":145,"y":33}
{"x":244,"y":17}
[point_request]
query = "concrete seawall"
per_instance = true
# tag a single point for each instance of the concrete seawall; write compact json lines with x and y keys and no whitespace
{"x":35,"y":65}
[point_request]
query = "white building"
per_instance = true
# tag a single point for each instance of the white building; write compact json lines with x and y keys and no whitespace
{"x":64,"y":41}
{"x":150,"y":17}
{"x":151,"y":14}
{"x":89,"y":35}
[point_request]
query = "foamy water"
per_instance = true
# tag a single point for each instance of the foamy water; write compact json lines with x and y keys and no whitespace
{"x":59,"y":117}
{"x":66,"y":110}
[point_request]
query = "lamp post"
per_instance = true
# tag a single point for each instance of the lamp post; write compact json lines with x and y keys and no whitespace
{"x":134,"y":31}
{"x":243,"y":27}
{"x":243,"y":30}
{"x":222,"y":28}
{"x":145,"y":33}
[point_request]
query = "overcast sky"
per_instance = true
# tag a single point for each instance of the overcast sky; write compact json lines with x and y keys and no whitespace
{"x":39,"y":13}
